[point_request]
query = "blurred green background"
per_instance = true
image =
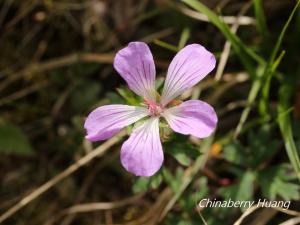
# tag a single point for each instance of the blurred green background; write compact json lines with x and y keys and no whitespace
{"x":56,"y":66}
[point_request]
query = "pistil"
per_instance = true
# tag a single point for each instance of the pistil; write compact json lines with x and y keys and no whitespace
{"x":154,"y":108}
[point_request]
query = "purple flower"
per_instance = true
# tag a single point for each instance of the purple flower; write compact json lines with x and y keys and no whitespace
{"x":142,"y":153}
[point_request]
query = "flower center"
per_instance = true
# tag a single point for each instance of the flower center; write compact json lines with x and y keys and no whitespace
{"x":154,"y":108}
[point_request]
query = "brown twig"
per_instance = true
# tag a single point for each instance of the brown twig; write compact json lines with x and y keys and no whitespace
{"x":22,"y":93}
{"x":57,"y":63}
{"x":96,"y":206}
{"x":61,"y":100}
{"x":23,"y":12}
{"x":4,"y":10}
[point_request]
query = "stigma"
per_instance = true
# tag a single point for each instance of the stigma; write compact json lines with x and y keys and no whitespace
{"x":153,"y":108}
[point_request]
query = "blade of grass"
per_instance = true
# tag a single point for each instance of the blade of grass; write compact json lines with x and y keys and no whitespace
{"x":263,"y":80}
{"x":254,"y":90}
{"x":165,"y":45}
{"x":202,"y":218}
{"x":283,"y":32}
{"x":273,"y":63}
{"x":185,"y":35}
{"x":263,"y":103}
{"x":284,"y":123}
{"x":260,"y":18}
{"x":227,"y":46}
{"x":284,"y":97}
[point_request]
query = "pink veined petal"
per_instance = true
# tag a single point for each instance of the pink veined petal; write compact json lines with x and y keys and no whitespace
{"x":106,"y":121}
{"x":135,"y":64}
{"x":142,"y":153}
{"x":189,"y":66}
{"x":192,"y":117}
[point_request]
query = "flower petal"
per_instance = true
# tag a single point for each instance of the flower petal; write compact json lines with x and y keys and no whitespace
{"x":106,"y":121}
{"x":142,"y":153}
{"x":135,"y":64}
{"x":189,"y":66}
{"x":193,"y":117}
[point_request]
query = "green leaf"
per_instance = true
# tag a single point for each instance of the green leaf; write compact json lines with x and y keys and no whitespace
{"x":143,"y":184}
{"x":155,"y":180}
{"x":242,"y":191}
{"x":234,"y":152}
{"x":192,"y":197}
{"x":182,"y":182}
{"x":259,"y":147}
{"x":182,"y":158}
{"x":113,"y":97}
{"x":181,"y":150}
{"x":203,"y":188}
{"x":128,"y":96}
{"x":13,"y":141}
{"x":174,"y":181}
{"x":179,"y":219}
{"x":276,"y":182}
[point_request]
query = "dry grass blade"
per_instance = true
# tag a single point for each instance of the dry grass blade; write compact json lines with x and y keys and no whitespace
{"x":293,"y":221}
{"x":227,"y":46}
{"x":88,"y":207}
{"x":242,"y":20}
{"x":158,"y":35}
{"x":245,"y":214}
{"x":99,"y":151}
{"x":96,"y":206}
{"x":255,"y":207}
{"x":263,"y":217}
